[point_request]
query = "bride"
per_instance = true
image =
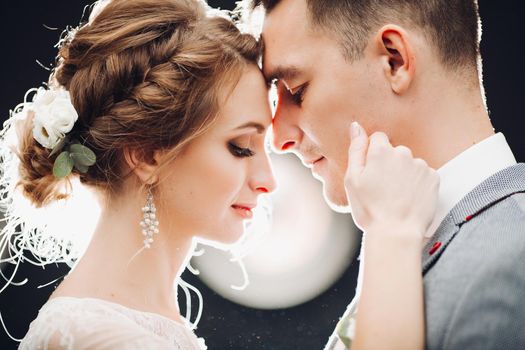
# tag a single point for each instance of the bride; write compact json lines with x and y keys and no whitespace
{"x":159,"y":107}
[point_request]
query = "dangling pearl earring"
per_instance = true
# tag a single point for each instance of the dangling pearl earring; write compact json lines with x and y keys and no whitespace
{"x":149,"y":223}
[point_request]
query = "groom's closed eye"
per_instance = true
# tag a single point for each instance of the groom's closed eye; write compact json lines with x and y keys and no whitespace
{"x":298,"y":94}
{"x":287,"y":96}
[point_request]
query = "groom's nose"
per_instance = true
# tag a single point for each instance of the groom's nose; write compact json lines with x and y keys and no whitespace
{"x":286,"y":132}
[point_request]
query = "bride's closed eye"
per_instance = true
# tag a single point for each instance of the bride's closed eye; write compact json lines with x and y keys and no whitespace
{"x":238,"y":151}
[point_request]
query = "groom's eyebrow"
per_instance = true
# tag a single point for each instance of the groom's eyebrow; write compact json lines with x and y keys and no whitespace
{"x":286,"y":72}
{"x":282,"y":73}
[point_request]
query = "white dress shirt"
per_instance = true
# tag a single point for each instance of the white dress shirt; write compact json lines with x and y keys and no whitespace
{"x":467,"y":170}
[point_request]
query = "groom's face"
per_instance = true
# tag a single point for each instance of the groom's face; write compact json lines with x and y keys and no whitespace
{"x":320,"y":94}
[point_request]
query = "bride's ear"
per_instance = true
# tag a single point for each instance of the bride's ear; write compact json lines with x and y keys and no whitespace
{"x":143,"y":164}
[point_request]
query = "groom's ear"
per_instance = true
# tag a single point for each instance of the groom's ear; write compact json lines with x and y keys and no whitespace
{"x":397,"y":57}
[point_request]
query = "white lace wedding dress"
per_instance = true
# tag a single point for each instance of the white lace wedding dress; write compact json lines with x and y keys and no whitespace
{"x":89,"y":324}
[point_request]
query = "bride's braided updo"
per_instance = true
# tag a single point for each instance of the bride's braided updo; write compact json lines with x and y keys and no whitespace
{"x":144,"y":75}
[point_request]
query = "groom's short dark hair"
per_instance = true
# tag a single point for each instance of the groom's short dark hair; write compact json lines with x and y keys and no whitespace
{"x":453,"y":26}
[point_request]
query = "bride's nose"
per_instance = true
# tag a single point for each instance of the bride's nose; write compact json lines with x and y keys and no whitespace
{"x":262,"y":179}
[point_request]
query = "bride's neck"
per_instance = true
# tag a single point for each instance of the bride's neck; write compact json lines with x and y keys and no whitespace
{"x":116,"y":267}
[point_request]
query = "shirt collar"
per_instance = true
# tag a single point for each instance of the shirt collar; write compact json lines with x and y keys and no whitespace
{"x":467,"y":170}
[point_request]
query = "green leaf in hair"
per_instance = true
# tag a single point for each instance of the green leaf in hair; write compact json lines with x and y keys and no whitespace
{"x":81,"y":168}
{"x":82,"y":155}
{"x":63,"y":165}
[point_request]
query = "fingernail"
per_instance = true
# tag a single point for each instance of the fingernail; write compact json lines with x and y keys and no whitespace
{"x":355,"y":130}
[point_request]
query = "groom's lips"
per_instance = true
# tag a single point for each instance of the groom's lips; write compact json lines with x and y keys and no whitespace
{"x":317,"y":165}
{"x":311,"y":162}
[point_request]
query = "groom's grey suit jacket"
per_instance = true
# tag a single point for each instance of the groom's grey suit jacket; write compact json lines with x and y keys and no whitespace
{"x":474,"y":270}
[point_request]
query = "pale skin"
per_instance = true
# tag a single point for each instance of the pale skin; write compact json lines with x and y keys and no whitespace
{"x":190,"y":204}
{"x":399,"y":87}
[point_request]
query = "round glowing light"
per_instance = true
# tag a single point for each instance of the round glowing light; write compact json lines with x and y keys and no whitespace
{"x":294,"y":257}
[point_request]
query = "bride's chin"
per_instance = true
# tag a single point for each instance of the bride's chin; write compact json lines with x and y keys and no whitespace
{"x":232,"y":238}
{"x":225,"y":238}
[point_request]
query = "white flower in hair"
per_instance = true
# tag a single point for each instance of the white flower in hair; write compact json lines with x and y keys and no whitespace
{"x":54,"y":116}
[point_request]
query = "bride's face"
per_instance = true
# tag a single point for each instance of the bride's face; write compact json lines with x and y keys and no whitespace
{"x":214,"y":183}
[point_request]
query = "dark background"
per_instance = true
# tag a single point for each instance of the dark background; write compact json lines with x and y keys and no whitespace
{"x":226,"y":325}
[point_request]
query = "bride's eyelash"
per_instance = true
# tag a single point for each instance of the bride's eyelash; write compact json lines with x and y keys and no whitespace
{"x":240,"y":152}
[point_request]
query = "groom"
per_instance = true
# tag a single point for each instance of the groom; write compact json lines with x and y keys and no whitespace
{"x":410,"y":68}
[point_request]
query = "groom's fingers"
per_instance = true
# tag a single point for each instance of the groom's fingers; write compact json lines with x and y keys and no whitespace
{"x":358,"y":148}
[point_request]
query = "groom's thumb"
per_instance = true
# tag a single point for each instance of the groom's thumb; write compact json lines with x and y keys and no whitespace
{"x":358,"y":148}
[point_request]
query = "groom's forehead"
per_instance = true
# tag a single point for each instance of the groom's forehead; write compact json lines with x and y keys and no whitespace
{"x":282,"y":48}
{"x":286,"y":35}
{"x":283,"y":28}
{"x":278,"y":64}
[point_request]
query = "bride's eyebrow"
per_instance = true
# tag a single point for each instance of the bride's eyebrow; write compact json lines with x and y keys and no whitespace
{"x":260,"y":128}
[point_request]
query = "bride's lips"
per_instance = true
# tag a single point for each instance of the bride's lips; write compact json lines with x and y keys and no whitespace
{"x":243,"y":210}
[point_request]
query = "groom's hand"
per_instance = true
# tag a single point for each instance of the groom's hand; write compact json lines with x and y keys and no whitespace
{"x":386,"y":186}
